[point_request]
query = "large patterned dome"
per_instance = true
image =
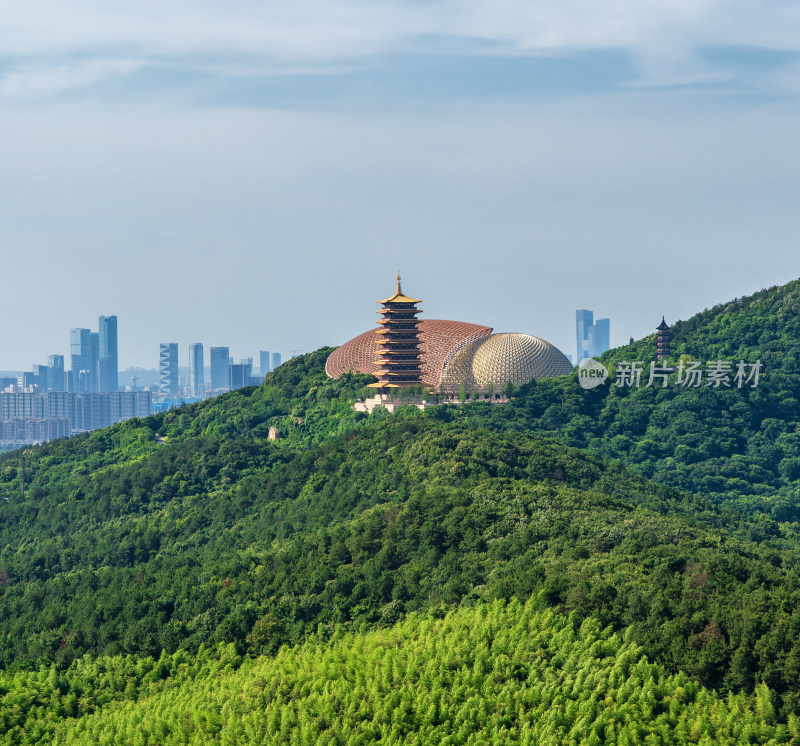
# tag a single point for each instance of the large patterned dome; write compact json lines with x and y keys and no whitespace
{"x":500,"y":358}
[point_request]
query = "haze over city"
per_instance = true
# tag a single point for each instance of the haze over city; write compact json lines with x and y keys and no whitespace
{"x":206,"y":173}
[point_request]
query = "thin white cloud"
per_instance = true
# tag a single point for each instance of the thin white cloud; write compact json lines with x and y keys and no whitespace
{"x":30,"y":81}
{"x":344,"y":28}
{"x":274,"y":36}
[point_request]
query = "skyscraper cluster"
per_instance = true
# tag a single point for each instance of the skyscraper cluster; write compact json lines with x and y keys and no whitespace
{"x":54,"y":401}
{"x":81,"y":392}
{"x":593,"y":337}
{"x":94,"y":365}
{"x":224,"y":373}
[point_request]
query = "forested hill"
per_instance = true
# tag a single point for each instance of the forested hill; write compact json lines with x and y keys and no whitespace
{"x":669,"y":512}
{"x":734,"y":445}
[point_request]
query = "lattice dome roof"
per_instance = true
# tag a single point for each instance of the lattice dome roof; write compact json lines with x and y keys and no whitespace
{"x":513,"y":357}
{"x":438,"y":339}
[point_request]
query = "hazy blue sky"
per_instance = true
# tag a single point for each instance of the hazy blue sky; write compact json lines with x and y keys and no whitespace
{"x":255,"y":173}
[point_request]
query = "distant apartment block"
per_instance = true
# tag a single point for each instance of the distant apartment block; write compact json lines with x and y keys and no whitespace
{"x":263,"y":359}
{"x":20,"y":432}
{"x":276,"y":360}
{"x":82,"y":411}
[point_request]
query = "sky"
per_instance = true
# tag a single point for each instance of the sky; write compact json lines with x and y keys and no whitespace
{"x":254,"y":174}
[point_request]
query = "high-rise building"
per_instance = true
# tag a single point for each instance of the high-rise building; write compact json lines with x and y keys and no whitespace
{"x":196,"y":377}
{"x":276,"y":360}
{"x":94,"y":369}
{"x":263,"y":367}
{"x":168,"y":367}
{"x":240,"y":375}
{"x":57,"y":380}
{"x":601,"y":337}
{"x":80,"y":357}
{"x":40,"y":377}
{"x":219,"y":357}
{"x":108,"y":366}
{"x":583,"y":322}
{"x":593,"y":338}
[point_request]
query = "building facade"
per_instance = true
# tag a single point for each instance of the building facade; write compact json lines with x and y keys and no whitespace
{"x":82,"y":362}
{"x":593,"y":338}
{"x":56,"y":375}
{"x":240,"y":375}
{"x":108,"y":362}
{"x":82,"y":411}
{"x":196,"y":369}
{"x":168,"y":367}
{"x":219,"y":358}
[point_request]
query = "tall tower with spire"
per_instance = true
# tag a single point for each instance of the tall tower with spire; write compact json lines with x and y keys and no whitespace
{"x":397,"y":354}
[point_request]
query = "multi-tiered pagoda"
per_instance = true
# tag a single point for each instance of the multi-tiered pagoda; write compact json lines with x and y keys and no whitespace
{"x":397,"y":356}
{"x":662,"y":340}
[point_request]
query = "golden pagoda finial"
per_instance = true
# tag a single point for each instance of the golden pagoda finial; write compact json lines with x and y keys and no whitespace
{"x":399,"y":289}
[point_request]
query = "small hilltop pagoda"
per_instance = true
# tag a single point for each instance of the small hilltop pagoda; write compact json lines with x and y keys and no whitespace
{"x":397,"y":353}
{"x":662,"y":340}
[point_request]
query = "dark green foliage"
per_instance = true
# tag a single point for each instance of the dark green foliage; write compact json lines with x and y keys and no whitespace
{"x":191,"y":528}
{"x":732,"y":445}
{"x":252,"y":542}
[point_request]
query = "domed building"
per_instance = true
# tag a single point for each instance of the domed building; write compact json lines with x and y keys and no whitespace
{"x":447,"y":357}
{"x":500,"y":358}
{"x":438,"y":339}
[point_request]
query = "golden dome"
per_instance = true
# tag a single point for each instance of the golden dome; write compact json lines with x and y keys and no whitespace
{"x":500,"y":358}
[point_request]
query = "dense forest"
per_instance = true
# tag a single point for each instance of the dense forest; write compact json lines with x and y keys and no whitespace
{"x":188,"y":539}
{"x":499,"y":673}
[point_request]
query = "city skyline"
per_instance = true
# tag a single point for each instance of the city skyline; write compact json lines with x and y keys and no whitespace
{"x":90,"y":362}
